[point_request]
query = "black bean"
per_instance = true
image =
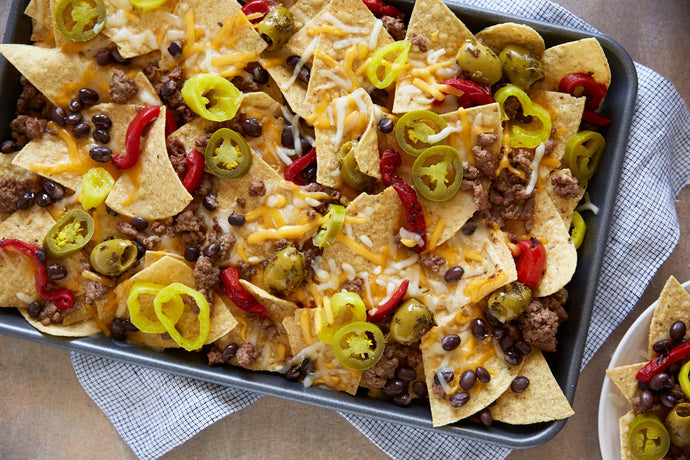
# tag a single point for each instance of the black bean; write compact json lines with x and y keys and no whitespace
{"x":306,"y":368}
{"x":498,"y":333}
{"x":459,"y":399}
{"x":25,"y":200}
{"x":513,"y":358}
{"x":260,"y":75}
{"x":292,"y":60}
{"x":43,"y":199}
{"x":117,"y":57}
{"x":485,"y":417}
{"x":304,"y":74}
{"x":642,"y":386}
{"x":210,"y":202}
{"x":127,"y":324}
{"x":420,"y":389}
{"x":385,"y":125}
{"x":139,"y":223}
{"x":667,"y":400}
{"x":507,"y":343}
{"x":58,"y":115}
{"x":677,"y":331}
{"x":111,"y":211}
{"x":212,"y":249}
{"x":100,"y":154}
{"x":117,"y":329}
{"x":54,"y":190}
{"x":141,"y":249}
{"x":467,"y":380}
{"x":447,"y":375}
{"x":482,"y":374}
{"x":81,"y":130}
{"x":306,"y":145}
{"x":236,"y":220}
{"x":469,"y":227}
{"x":450,"y":342}
{"x":406,"y":374}
{"x":74,"y":119}
{"x":523,"y":347}
{"x":454,"y":274}
{"x":403,"y":399}
{"x":229,"y":351}
{"x":192,"y":253}
{"x":75,"y":105}
{"x":102,"y":121}
{"x":287,"y":138}
{"x":56,"y":272}
{"x":169,"y":88}
{"x":393,"y":388}
{"x":519,"y":384}
{"x":292,"y":374}
{"x":646,"y":400}
{"x":35,"y":309}
{"x":103,"y":57}
{"x":88,"y":96}
{"x":480,"y":330}
{"x":8,"y":146}
{"x":662,"y":347}
{"x":251,"y":127}
{"x":175,"y":48}
{"x":379,"y":96}
{"x":101,"y":136}
{"x":658,"y":382}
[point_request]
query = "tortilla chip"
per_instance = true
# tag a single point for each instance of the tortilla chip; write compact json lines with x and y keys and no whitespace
{"x":321,"y":354}
{"x":41,"y":19}
{"x":499,"y":36}
{"x":304,"y":10}
{"x":566,"y":114}
{"x":624,"y":378}
{"x":166,"y":271}
{"x":624,"y":425}
{"x":151,"y":189}
{"x":430,"y":18}
{"x":482,"y":394}
{"x":16,"y":270}
{"x":674,"y":305}
{"x":565,"y":206}
{"x":276,"y":308}
{"x":44,"y":67}
{"x":79,"y":329}
{"x":581,"y":56}
{"x":561,"y":255}
{"x":542,"y":401}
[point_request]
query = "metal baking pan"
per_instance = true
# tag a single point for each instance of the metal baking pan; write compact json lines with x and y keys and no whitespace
{"x":565,"y":363}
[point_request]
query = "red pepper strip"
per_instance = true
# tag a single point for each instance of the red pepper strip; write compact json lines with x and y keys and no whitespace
{"x":390,"y":159}
{"x":63,"y":298}
{"x":133,"y":137}
{"x":194,"y":161}
{"x":531,"y":262}
{"x":256,"y":6}
{"x":473,"y":93}
{"x":170,"y":123}
{"x":294,"y":169}
{"x":591,"y":89}
{"x":240,"y":297}
{"x":379,"y":8}
{"x":383,"y":311}
{"x":660,"y":363}
{"x":595,"y":118}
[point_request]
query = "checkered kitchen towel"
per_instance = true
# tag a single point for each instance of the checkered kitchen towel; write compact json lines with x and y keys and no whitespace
{"x":154,"y":411}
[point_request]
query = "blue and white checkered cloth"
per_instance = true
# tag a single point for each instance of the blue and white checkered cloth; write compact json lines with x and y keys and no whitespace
{"x":155,"y":411}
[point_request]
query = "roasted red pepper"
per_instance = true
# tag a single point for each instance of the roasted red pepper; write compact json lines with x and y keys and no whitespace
{"x":194,"y":162}
{"x":474,"y":93}
{"x":379,"y":8}
{"x":256,"y":7}
{"x":234,"y":289}
{"x":384,"y":311}
{"x":133,"y":137}
{"x":63,"y":298}
{"x":594,"y":92}
{"x":531,"y":262}
{"x":660,"y":363}
{"x":170,"y":123}
{"x":595,"y":118}
{"x":294,"y":170}
{"x":390,"y":159}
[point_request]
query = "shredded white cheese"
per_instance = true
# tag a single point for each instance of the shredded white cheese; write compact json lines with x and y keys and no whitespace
{"x":538,"y":155}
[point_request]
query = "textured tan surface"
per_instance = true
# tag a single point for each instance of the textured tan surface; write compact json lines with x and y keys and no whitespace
{"x":31,"y":375}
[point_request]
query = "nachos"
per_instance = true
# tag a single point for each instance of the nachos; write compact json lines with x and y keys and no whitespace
{"x":322,"y":189}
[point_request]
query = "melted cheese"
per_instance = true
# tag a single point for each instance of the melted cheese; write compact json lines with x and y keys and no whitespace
{"x":378,"y":259}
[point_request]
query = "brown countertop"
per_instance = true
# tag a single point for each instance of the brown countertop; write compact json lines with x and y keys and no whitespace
{"x":33,"y":378}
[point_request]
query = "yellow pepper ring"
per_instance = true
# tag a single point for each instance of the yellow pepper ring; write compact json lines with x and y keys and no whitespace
{"x":176,"y":291}
{"x":684,"y":379}
{"x":224,"y":100}
{"x":357,"y":313}
{"x":391,"y":70}
{"x":96,"y":184}
{"x":522,"y":137}
{"x":578,"y":228}
{"x":147,"y":4}
{"x":139,"y":319}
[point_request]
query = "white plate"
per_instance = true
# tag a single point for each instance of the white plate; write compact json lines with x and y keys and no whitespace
{"x":631,"y":350}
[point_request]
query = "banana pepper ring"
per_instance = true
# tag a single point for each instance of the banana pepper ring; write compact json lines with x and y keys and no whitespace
{"x":212,"y":97}
{"x":176,"y":291}
{"x":391,"y":70}
{"x":142,"y":322}
{"x":522,"y":137}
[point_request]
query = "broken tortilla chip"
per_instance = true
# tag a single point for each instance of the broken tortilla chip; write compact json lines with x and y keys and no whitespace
{"x":674,"y":305}
{"x":624,"y":378}
{"x":581,"y":56}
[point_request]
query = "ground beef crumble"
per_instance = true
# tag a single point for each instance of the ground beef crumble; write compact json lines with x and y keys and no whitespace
{"x":148,"y":241}
{"x":433,"y":262}
{"x":11,"y":189}
{"x":247,"y":354}
{"x":122,"y":88}
{"x":257,"y":188}
{"x":189,"y":228}
{"x":355,"y":286}
{"x":395,"y":27}
{"x":177,"y":154}
{"x":540,"y":320}
{"x":419,"y":41}
{"x":168,"y":86}
{"x":206,"y":275}
{"x":95,"y":291}
{"x":565,"y":185}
